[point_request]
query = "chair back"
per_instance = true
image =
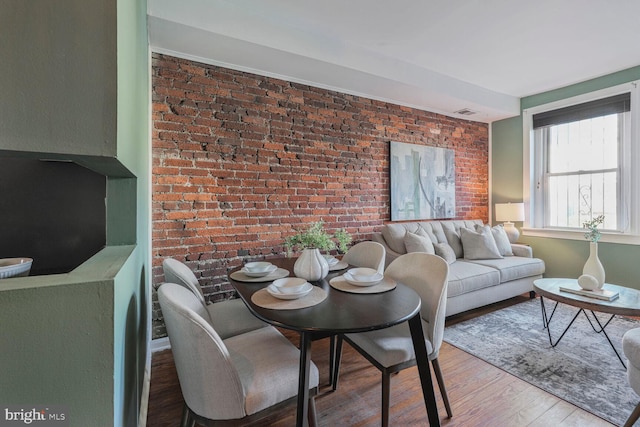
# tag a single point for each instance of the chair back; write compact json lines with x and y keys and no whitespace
{"x":177,"y":272}
{"x":209,"y":381}
{"x":428,"y":275}
{"x":366,"y":254}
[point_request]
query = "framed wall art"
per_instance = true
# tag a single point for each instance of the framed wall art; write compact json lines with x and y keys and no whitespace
{"x":422,"y":182}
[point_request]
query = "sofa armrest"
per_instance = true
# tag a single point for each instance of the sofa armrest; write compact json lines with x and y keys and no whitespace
{"x":390,"y":254}
{"x":522,"y":250}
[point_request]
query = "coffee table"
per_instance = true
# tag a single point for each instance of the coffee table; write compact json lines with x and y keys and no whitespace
{"x":627,"y":304}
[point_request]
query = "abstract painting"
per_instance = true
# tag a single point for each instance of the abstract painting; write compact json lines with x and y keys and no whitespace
{"x":422,"y":182}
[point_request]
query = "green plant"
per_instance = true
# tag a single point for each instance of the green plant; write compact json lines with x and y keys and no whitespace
{"x":316,"y":237}
{"x":593,"y":234}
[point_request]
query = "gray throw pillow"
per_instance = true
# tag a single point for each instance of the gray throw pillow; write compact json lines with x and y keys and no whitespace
{"x":443,"y":250}
{"x":502,"y":240}
{"x":454,"y":241}
{"x":479,"y":244}
{"x":418,"y":243}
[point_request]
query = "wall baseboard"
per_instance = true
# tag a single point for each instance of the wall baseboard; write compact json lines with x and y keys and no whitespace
{"x":160,"y":344}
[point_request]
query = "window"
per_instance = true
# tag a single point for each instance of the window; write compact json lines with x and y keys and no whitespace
{"x":581,"y":153}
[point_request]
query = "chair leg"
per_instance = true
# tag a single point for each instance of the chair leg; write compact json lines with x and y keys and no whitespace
{"x":312,"y":416}
{"x":443,"y":390}
{"x":187,"y":420}
{"x":633,"y":417}
{"x":386,"y":391}
{"x":336,"y":361}
{"x":332,"y":359}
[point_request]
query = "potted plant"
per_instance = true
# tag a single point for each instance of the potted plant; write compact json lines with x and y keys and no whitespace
{"x":311,"y":265}
{"x":593,"y":267}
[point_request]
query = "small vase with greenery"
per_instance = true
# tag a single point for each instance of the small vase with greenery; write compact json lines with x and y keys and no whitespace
{"x":311,"y":265}
{"x":593,"y":234}
{"x":316,"y":237}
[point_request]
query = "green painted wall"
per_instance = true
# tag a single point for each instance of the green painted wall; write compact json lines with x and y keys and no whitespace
{"x":75,"y":85}
{"x":563,"y":258}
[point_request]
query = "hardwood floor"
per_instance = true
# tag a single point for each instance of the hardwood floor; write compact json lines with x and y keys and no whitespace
{"x":480,"y":394}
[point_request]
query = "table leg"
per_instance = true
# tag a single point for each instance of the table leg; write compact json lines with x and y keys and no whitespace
{"x":303,"y":380}
{"x":605,"y":334}
{"x":546,"y":321}
{"x":422,"y":361}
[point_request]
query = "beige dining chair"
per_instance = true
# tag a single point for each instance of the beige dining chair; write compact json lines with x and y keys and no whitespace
{"x":366,"y":254}
{"x":230,"y":317}
{"x":391,"y":349}
{"x":233,"y":381}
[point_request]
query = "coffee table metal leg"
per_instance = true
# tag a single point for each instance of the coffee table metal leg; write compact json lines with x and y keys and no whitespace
{"x":546,"y":321}
{"x":605,"y":334}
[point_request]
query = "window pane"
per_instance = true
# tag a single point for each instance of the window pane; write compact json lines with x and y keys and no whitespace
{"x":585,"y":145}
{"x":575,"y":199}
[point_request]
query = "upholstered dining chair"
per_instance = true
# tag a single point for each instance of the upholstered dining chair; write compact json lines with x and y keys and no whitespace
{"x":631,"y":349}
{"x":391,"y":349}
{"x":231,"y":381}
{"x":366,"y":254}
{"x":230,"y":317}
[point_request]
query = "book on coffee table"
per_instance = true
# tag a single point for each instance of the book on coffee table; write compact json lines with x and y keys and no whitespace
{"x":602,"y":294}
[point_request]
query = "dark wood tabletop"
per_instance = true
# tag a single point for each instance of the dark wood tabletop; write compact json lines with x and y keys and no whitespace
{"x":341,"y":312}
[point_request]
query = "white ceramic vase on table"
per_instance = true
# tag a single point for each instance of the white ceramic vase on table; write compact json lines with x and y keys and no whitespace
{"x":593,"y":266}
{"x":311,"y":265}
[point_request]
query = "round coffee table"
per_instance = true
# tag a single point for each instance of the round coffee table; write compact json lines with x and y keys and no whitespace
{"x":626,"y":304}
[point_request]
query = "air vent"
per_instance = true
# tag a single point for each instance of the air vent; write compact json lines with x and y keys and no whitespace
{"x":465,"y":112}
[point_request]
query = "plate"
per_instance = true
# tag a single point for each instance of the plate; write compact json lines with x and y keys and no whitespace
{"x":277,"y":274}
{"x":375,"y":279}
{"x":271,"y":269}
{"x":274,"y":292}
{"x":340,"y":265}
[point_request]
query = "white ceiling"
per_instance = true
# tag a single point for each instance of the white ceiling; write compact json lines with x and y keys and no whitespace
{"x":436,"y":55}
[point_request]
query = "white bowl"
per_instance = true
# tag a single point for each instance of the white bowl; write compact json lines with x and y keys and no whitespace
{"x":331,"y":260}
{"x":259,"y":273}
{"x":15,"y":267}
{"x":258,"y":266}
{"x":291,"y":285}
{"x":362,"y":277}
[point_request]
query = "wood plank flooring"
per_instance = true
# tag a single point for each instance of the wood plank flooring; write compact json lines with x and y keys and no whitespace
{"x":480,"y":394}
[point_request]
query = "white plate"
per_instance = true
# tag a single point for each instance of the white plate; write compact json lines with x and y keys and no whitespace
{"x":340,"y":265}
{"x":274,"y":292}
{"x":271,"y":269}
{"x":375,"y":279}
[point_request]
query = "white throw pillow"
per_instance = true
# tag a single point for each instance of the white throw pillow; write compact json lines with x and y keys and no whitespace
{"x":453,"y":237}
{"x":479,"y":244}
{"x":443,"y":250}
{"x":418,"y":243}
{"x":502,"y":240}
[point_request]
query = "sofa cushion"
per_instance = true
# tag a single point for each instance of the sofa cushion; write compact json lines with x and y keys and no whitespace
{"x":444,"y":251}
{"x":502,"y":240}
{"x":513,"y":267}
{"x":453,"y":238}
{"x":466,"y":276}
{"x":479,"y":244}
{"x":418,"y":242}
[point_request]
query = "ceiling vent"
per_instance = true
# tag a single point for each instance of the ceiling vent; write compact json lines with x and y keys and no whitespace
{"x":465,"y":112}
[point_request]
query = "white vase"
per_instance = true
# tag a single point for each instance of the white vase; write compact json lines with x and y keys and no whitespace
{"x":593,"y":266}
{"x":311,"y":265}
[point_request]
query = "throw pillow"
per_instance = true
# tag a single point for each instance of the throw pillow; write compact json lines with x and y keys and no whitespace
{"x":502,"y":240}
{"x":418,"y":243}
{"x":454,"y":241}
{"x":443,"y":250}
{"x":479,"y":244}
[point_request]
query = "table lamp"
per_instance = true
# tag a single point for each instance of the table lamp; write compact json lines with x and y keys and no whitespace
{"x":507,"y":213}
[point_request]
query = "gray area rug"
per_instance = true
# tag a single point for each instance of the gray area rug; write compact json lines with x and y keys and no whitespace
{"x":582,"y":369}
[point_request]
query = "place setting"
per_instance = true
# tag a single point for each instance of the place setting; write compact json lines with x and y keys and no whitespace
{"x":289,"y":293}
{"x":259,"y":271}
{"x":362,"y":281}
{"x":334,"y":263}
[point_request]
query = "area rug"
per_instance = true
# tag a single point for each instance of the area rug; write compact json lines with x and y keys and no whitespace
{"x":582,"y":369}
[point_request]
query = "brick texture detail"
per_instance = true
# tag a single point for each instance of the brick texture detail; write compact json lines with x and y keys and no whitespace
{"x":240,"y":161}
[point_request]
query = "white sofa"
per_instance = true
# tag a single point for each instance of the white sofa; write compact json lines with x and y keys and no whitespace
{"x":472,"y":282}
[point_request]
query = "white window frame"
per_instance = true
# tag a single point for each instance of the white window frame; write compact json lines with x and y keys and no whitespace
{"x":630,"y":186}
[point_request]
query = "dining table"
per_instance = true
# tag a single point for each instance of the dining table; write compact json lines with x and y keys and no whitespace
{"x":341,"y":312}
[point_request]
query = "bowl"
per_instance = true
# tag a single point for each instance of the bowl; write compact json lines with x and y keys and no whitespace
{"x":262,"y":273}
{"x":15,"y":267}
{"x":291,"y":285}
{"x":331,"y":260}
{"x":362,"y":277}
{"x":258,"y":266}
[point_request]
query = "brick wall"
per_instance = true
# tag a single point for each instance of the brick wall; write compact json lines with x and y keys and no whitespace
{"x":240,"y":161}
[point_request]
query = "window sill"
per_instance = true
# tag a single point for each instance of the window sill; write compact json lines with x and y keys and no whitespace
{"x":607,"y":237}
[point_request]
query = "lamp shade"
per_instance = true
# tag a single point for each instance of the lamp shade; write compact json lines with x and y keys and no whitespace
{"x":509,"y":212}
